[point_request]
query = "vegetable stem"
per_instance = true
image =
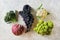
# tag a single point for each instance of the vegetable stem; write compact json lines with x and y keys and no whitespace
{"x":39,"y":7}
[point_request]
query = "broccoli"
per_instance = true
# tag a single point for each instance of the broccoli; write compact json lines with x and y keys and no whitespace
{"x":11,"y":17}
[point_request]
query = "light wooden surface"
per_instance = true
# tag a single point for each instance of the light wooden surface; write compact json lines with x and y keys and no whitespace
{"x":53,"y":6}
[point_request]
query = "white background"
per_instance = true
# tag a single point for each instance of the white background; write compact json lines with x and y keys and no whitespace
{"x":53,"y":6}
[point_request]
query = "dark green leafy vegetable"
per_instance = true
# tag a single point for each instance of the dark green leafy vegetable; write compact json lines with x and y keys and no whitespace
{"x":27,"y":16}
{"x":11,"y":17}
